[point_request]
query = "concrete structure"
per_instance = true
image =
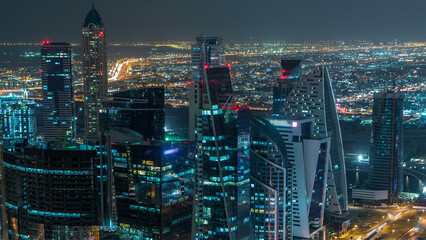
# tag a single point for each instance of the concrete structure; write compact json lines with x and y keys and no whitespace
{"x":313,"y":97}
{"x":369,"y":195}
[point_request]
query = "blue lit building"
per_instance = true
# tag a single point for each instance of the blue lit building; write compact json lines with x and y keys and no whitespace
{"x":51,"y":192}
{"x":387,"y":149}
{"x":207,"y":51}
{"x":153,"y":183}
{"x":19,"y":123}
{"x":58,"y":92}
{"x":221,"y":199}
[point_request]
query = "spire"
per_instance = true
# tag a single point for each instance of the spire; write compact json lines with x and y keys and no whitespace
{"x":93,"y":4}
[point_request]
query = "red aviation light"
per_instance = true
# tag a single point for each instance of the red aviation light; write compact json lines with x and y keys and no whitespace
{"x":206,"y":66}
{"x":189,"y":82}
{"x":228,"y":65}
{"x":282,"y":77}
{"x":44,"y":42}
{"x":100,"y":34}
{"x":284,"y":70}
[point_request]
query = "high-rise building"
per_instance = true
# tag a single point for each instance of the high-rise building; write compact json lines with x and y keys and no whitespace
{"x":51,"y":192}
{"x":207,"y":51}
{"x":308,"y":158}
{"x":290,"y":75}
{"x":221,"y":196}
{"x":153,"y":188}
{"x":95,"y":76}
{"x":313,"y":97}
{"x":58,"y":93}
{"x":270,"y":196}
{"x":19,"y":121}
{"x":386,"y":150}
{"x":141,"y":110}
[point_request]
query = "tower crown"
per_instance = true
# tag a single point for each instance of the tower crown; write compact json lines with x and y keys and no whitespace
{"x":93,"y":17}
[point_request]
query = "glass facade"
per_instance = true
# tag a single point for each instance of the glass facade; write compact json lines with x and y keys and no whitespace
{"x":51,"y":192}
{"x":221,"y":192}
{"x":387,"y":150}
{"x":19,"y":121}
{"x":58,"y":92}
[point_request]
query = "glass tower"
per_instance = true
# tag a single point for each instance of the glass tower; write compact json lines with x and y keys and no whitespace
{"x":95,"y":76}
{"x":51,"y":192}
{"x":58,"y":92}
{"x":207,"y":51}
{"x":386,"y":151}
{"x":19,"y":123}
{"x":222,"y":175}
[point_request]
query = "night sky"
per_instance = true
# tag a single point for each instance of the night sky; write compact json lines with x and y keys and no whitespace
{"x":235,"y":20}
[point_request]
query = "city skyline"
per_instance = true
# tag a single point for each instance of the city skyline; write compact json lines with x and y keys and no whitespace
{"x":239,"y":21}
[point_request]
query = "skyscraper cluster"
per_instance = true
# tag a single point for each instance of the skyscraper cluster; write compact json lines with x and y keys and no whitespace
{"x":240,"y":176}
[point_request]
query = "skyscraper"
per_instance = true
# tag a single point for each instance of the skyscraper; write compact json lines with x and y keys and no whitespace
{"x":313,"y":97}
{"x":207,"y":51}
{"x":308,"y":158}
{"x":386,"y":150}
{"x":290,"y":70}
{"x":58,"y":93}
{"x":51,"y":192}
{"x":19,"y":123}
{"x":141,"y":110}
{"x":222,"y":174}
{"x":95,"y":74}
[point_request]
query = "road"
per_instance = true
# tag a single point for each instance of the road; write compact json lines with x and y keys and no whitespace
{"x":417,"y":232}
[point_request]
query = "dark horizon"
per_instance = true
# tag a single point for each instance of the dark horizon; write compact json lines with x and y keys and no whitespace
{"x":237,"y":20}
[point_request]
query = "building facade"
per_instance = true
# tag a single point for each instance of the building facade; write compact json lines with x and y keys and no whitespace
{"x":290,"y":75}
{"x":58,"y":92}
{"x":387,"y":149}
{"x":95,"y":75}
{"x":221,"y":196}
{"x":313,"y":97}
{"x":308,"y":158}
{"x":18,"y":123}
{"x":141,"y":110}
{"x":206,"y":52}
{"x":51,"y":192}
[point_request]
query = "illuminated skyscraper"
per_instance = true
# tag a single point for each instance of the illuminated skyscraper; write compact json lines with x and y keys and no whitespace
{"x":222,"y":174}
{"x":94,"y":71}
{"x":207,"y":51}
{"x":19,"y":124}
{"x":51,"y":192}
{"x":58,"y":93}
{"x":291,"y":70}
{"x":313,"y":97}
{"x":386,"y":150}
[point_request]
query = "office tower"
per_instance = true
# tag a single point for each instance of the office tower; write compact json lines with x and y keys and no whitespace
{"x":58,"y":93}
{"x":50,"y":192}
{"x":222,"y":175}
{"x":141,"y":110}
{"x":308,"y":160}
{"x":207,"y":51}
{"x":94,"y":72}
{"x":18,"y":123}
{"x":270,"y":196}
{"x":313,"y":97}
{"x":386,"y":150}
{"x":290,"y":75}
{"x":153,"y":188}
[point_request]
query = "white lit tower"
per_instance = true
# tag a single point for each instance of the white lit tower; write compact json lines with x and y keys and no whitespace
{"x":94,"y":71}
